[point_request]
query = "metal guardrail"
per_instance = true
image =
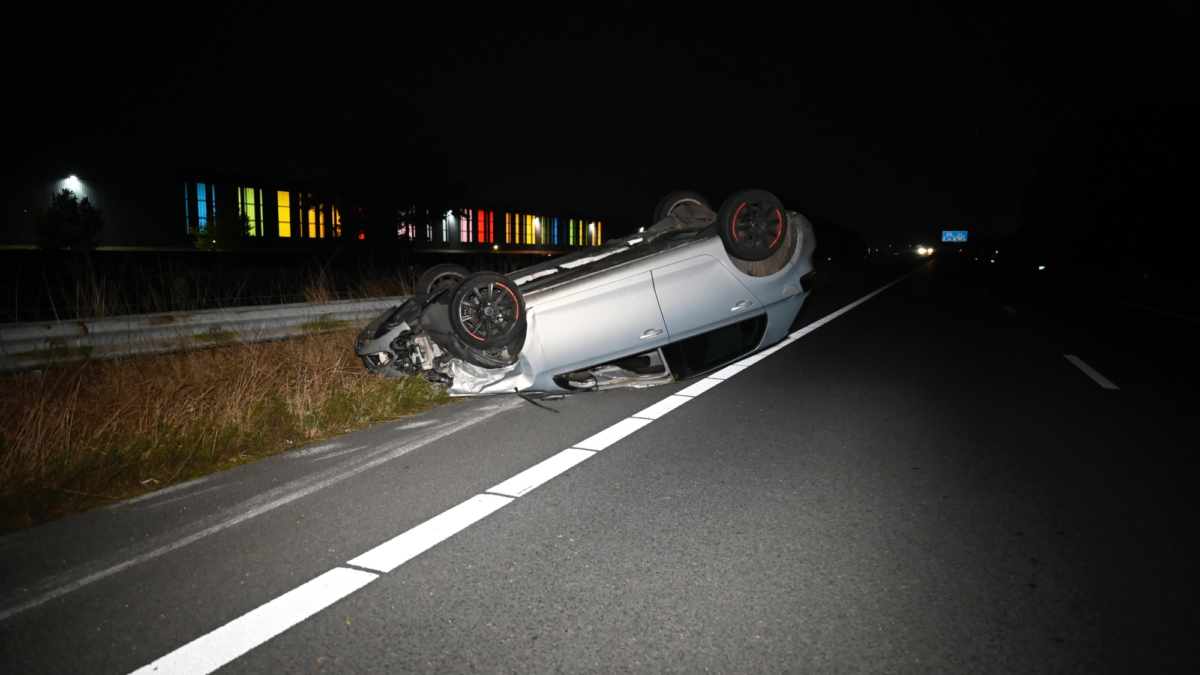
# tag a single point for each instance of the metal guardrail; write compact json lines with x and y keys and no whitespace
{"x":31,"y":346}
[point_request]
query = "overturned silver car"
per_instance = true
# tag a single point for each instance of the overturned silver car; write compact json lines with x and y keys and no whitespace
{"x":693,"y":292}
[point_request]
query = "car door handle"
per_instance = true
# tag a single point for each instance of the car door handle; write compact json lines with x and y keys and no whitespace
{"x":653,"y":332}
{"x":742,"y":305}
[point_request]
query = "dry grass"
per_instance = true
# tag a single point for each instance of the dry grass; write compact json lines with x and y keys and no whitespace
{"x":77,"y":437}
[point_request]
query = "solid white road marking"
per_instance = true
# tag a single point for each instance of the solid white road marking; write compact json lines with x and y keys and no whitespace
{"x":824,"y":320}
{"x":78,"y":577}
{"x":662,"y":407}
{"x":209,"y":652}
{"x":395,"y":552}
{"x":728,"y":372}
{"x":1091,"y":372}
{"x":699,"y":388}
{"x":613,"y":434}
{"x":215,"y":649}
{"x":537,"y":474}
{"x":1010,"y":310}
{"x":755,"y":358}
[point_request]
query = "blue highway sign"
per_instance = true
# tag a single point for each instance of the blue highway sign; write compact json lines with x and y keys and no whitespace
{"x":954,"y":235}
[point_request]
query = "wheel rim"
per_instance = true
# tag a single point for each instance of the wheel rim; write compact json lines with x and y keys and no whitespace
{"x":441,"y":280}
{"x":489,"y":312}
{"x":757,"y":226}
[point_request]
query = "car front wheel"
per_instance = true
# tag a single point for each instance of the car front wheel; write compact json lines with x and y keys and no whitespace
{"x":487,"y":311}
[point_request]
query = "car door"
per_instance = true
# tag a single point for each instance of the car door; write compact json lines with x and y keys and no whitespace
{"x":591,"y":327}
{"x":699,"y":294}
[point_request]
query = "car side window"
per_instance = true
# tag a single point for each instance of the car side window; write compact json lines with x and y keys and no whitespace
{"x":709,"y":351}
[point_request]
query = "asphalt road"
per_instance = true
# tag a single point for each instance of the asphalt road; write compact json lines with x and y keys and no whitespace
{"x":923,"y":484}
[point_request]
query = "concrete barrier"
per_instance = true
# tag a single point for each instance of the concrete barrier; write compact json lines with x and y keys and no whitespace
{"x":31,"y":346}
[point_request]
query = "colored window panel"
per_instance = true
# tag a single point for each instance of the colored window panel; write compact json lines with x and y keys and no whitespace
{"x":316,"y":223}
{"x":187,"y":216}
{"x":285,"y":214}
{"x":599,"y":239}
{"x":248,"y":205}
{"x":529,"y":229}
{"x":202,"y":206}
{"x":335,"y":222}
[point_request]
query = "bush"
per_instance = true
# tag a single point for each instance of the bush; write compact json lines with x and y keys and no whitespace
{"x":68,"y":223}
{"x":227,"y":231}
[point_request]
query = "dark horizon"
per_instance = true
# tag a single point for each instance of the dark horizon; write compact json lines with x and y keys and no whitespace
{"x":898,"y":123}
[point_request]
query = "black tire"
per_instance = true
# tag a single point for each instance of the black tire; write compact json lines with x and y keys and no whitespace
{"x":439,"y":276}
{"x":752,"y":225}
{"x":487,"y":311}
{"x":668,"y":204}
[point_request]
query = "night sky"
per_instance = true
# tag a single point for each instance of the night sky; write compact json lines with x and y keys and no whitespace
{"x":897,"y":119}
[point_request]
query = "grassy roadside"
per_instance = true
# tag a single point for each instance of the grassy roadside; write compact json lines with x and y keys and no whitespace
{"x":81,"y":436}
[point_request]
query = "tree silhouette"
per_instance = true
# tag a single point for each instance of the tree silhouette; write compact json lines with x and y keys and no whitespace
{"x":68,"y":223}
{"x":228,"y":230}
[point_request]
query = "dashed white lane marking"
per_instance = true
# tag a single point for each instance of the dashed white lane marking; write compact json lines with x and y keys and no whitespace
{"x":663,"y":407}
{"x":1091,"y":372}
{"x":205,"y":654}
{"x":1008,"y":309}
{"x":613,"y":434}
{"x":395,"y":552}
{"x":537,"y":474}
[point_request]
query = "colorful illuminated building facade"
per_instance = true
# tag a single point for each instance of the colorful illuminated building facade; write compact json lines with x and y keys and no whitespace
{"x":165,"y":209}
{"x":293,"y":214}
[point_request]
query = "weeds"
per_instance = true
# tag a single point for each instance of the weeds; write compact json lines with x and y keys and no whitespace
{"x":76,"y":437}
{"x":66,"y":286}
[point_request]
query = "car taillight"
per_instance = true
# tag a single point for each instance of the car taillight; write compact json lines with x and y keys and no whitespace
{"x":806,"y":281}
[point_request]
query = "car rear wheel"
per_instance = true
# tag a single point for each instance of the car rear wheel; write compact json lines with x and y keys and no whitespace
{"x":487,"y":311}
{"x":440,"y":276}
{"x":752,"y":225}
{"x":675,"y":200}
